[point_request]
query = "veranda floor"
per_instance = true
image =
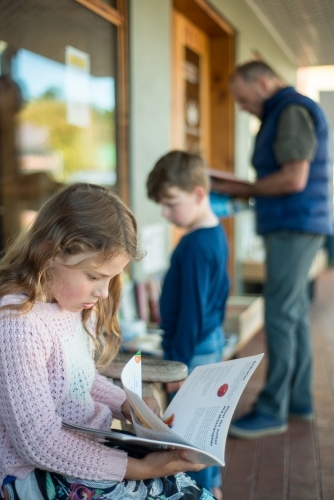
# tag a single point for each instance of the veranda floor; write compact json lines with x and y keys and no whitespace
{"x":298,"y":465}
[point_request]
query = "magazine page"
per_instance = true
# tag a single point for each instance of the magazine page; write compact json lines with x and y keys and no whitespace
{"x":138,"y":447}
{"x":197,"y":419}
{"x":145,"y":422}
{"x":202,"y":409}
{"x":131,"y":375}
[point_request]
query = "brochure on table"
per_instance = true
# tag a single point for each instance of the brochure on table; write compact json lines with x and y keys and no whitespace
{"x":199,"y":415}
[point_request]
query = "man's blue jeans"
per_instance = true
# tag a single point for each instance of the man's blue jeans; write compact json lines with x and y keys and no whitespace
{"x":289,"y":377}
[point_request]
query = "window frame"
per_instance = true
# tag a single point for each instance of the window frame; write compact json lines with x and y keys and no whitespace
{"x":119,"y":18}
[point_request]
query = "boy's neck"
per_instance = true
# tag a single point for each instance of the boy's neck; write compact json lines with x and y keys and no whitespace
{"x":206,"y":219}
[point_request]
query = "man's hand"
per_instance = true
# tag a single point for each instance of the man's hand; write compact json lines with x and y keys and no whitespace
{"x":291,"y":178}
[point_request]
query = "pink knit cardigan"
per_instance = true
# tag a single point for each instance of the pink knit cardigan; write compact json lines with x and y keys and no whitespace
{"x":47,"y":374}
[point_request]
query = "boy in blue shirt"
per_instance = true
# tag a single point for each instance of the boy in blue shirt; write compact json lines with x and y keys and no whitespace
{"x":196,"y":286}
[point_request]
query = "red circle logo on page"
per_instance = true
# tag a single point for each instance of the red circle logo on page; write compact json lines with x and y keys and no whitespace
{"x":222,"y":390}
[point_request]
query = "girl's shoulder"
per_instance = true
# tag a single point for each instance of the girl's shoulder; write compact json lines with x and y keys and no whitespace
{"x":40,"y":313}
{"x":44,"y":324}
{"x":12,"y":299}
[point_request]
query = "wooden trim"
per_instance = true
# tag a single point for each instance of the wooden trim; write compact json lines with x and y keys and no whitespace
{"x":205,"y":102}
{"x":177,"y":89}
{"x":204,"y":16}
{"x":109,"y":13}
{"x":222,"y":105}
{"x":119,"y":17}
{"x":186,"y":34}
{"x":229,"y":226}
{"x":122,"y":117}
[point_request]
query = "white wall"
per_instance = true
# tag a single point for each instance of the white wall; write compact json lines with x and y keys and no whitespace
{"x":150,"y":105}
{"x":315,"y":79}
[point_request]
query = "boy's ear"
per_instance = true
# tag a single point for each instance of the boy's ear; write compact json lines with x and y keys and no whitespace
{"x":200,"y":193}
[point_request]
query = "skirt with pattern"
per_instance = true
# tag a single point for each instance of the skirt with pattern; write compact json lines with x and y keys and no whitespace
{"x":50,"y":486}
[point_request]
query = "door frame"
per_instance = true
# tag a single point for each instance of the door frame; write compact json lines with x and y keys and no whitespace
{"x":219,"y":134}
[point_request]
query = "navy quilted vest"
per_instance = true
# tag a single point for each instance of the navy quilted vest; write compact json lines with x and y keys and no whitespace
{"x":307,"y":211}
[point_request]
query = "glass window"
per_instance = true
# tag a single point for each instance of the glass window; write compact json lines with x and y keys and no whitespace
{"x":63,"y":58}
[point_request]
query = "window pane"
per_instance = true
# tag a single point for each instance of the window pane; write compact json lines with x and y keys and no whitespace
{"x":62,"y":56}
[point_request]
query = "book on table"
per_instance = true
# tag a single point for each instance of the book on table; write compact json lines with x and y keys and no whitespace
{"x":196,"y":420}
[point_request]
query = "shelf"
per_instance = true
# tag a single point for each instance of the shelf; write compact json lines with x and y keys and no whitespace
{"x":244,"y":318}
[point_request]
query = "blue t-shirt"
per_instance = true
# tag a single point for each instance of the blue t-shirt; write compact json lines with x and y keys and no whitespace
{"x":194,"y":292}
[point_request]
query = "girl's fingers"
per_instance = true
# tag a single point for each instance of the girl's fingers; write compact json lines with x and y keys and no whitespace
{"x":159,"y":464}
{"x":174,"y":461}
{"x":153,"y":404}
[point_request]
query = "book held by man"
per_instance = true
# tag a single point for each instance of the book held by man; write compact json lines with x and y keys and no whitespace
{"x":196,"y":420}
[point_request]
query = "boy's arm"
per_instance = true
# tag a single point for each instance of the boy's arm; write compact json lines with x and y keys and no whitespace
{"x":182,"y":324}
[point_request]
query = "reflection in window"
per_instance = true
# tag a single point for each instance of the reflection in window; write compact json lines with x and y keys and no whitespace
{"x":67,"y":124}
{"x":63,"y":58}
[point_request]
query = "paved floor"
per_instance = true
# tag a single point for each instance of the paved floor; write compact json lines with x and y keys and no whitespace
{"x":298,"y":465}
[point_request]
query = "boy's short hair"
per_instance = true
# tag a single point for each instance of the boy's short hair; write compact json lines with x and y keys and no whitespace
{"x":177,"y":169}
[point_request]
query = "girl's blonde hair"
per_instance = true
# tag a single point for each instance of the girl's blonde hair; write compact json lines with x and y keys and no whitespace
{"x":79,"y":218}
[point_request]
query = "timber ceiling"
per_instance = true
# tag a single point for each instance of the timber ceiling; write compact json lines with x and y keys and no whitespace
{"x":303,"y":28}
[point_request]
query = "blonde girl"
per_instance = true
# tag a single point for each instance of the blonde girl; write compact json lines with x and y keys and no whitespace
{"x":60,"y":284}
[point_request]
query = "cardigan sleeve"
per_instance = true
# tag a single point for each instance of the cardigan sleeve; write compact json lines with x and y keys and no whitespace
{"x":104,"y":391}
{"x":28,"y":412}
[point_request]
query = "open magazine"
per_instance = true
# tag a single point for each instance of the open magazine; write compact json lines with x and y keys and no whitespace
{"x":197,"y":419}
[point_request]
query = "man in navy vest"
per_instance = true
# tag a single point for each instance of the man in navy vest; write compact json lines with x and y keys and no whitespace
{"x":292,"y":209}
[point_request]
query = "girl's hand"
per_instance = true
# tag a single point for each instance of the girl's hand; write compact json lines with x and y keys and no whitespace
{"x":174,"y":386}
{"x":153,"y":404}
{"x":159,"y":464}
{"x":125,"y":409}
